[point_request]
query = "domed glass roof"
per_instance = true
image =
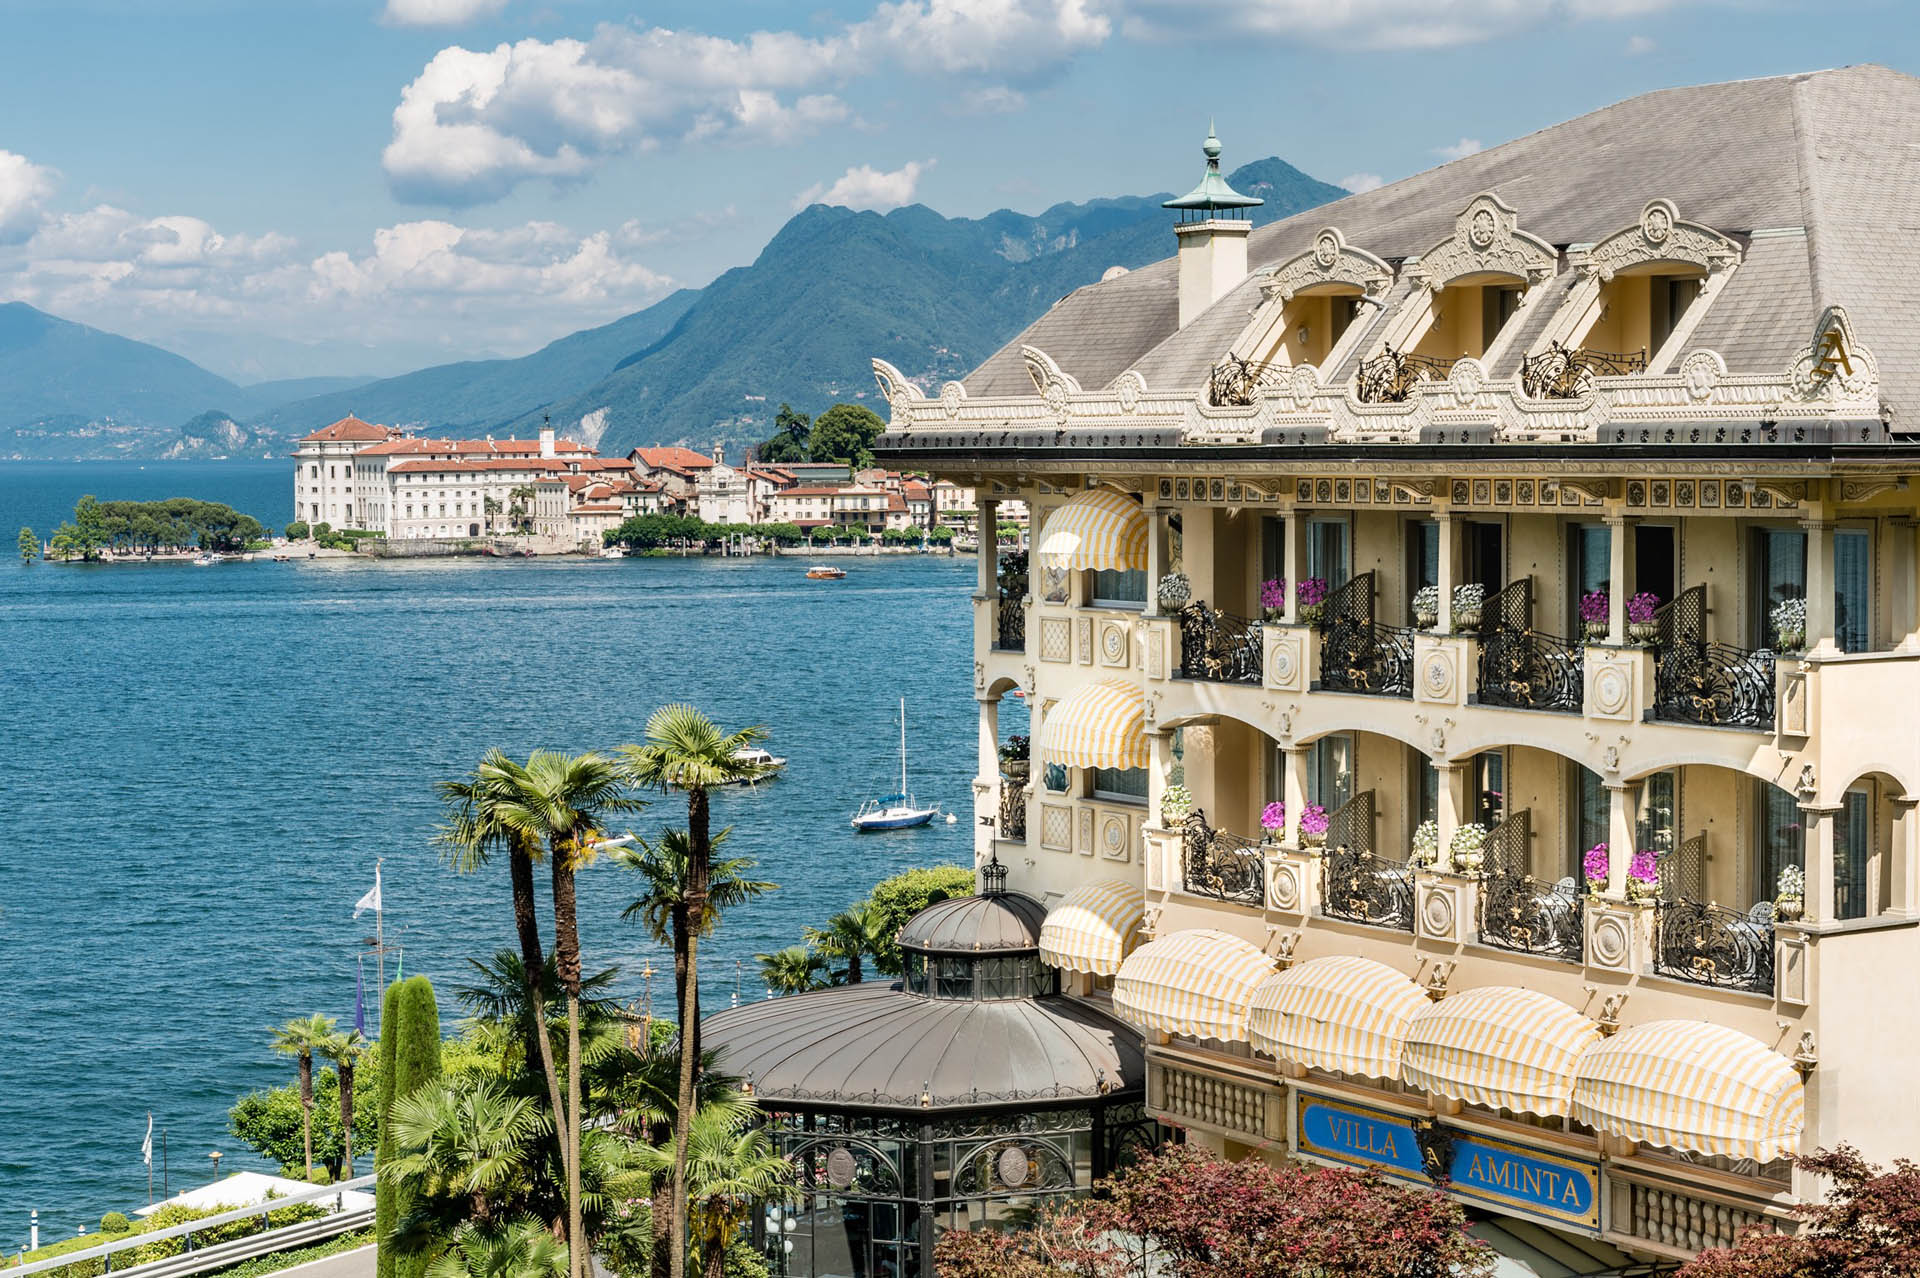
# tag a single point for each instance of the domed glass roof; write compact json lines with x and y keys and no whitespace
{"x":997,"y":923}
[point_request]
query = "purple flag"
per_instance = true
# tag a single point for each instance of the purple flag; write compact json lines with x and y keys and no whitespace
{"x":359,"y":999}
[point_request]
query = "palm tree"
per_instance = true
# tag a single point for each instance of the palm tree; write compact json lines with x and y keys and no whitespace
{"x":518,"y":1248}
{"x":300,"y":1038}
{"x":345,"y":1048}
{"x":559,"y":800}
{"x":682,"y":749}
{"x":794,"y":970}
{"x":521,"y":497}
{"x":856,"y":931}
{"x":730,"y":1167}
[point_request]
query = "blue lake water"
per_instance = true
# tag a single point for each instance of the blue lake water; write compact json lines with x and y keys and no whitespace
{"x":206,"y":762}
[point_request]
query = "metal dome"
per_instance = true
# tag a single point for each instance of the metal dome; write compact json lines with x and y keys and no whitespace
{"x":997,"y":923}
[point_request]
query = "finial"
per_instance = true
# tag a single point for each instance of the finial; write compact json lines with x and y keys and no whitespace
{"x":1211,"y":147}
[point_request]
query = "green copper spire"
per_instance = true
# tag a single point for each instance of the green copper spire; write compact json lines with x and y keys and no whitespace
{"x":1213,"y":194}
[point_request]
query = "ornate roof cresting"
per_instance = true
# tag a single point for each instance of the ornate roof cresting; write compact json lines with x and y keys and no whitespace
{"x":1331,"y":260}
{"x":1659,"y":236}
{"x":1486,"y":238}
{"x":900,"y":393}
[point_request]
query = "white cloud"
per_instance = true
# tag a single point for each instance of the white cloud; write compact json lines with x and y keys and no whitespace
{"x":1381,"y":24}
{"x":476,"y":123}
{"x":1637,"y":45}
{"x":1459,"y":150}
{"x":864,"y":187}
{"x":439,"y":13}
{"x":1358,"y":182}
{"x":25,"y":187}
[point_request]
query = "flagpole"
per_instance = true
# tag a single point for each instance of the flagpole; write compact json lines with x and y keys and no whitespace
{"x":165,"y":1186}
{"x":380,"y":934}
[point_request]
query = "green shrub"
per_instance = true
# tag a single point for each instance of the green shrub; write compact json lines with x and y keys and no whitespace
{"x":268,"y":1120}
{"x":115,"y":1222}
{"x":298,"y":530}
{"x":415,"y":1035}
{"x":323,"y":530}
{"x":905,"y":895}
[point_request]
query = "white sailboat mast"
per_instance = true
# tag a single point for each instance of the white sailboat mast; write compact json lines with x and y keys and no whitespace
{"x":903,"y":745}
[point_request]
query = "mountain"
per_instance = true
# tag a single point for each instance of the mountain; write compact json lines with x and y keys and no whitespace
{"x":475,"y":394}
{"x":933,"y":295}
{"x":215,"y":435}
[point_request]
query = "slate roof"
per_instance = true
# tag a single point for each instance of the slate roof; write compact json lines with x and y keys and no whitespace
{"x":1830,"y":153}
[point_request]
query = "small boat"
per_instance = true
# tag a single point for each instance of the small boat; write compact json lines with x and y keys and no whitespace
{"x":770,"y":765}
{"x":201,"y":561}
{"x":612,"y":552}
{"x":898,"y":811}
{"x":825,"y":572}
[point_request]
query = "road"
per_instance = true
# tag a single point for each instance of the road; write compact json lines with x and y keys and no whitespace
{"x":348,"y":1264}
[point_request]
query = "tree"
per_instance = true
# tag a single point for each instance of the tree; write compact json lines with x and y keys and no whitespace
{"x":941,"y":536}
{"x":683,"y":750}
{"x":409,"y":1058}
{"x":273,"y":1123}
{"x":344,"y":1049}
{"x":520,"y":507}
{"x":794,"y":970}
{"x":29,"y":545}
{"x":859,"y":930}
{"x":298,"y":530}
{"x":904,"y":895}
{"x":300,"y":1038}
{"x":559,"y":800}
{"x":790,"y":441}
{"x":468,"y":1140}
{"x":845,"y":433}
{"x":1869,"y":1223}
{"x":518,"y":1248}
{"x":730,"y":1167}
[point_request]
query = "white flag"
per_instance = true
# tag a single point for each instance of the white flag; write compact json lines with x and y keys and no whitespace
{"x":146,"y":1146}
{"x":371,"y":901}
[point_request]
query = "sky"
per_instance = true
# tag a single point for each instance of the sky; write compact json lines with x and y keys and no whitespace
{"x":366,"y":186}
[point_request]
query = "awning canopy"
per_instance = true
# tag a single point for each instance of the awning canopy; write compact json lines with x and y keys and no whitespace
{"x":1197,"y":983}
{"x":1097,"y":529}
{"x":1342,"y":1013}
{"x":1499,"y":1045}
{"x":1692,"y":1086}
{"x":1103,"y":725}
{"x":1094,"y":927}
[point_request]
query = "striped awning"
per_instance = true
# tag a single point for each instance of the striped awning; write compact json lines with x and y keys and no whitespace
{"x":1500,"y":1046}
{"x":1100,"y":529}
{"x":1103,"y":725}
{"x":1197,"y":983}
{"x":1094,"y":927}
{"x":1688,"y":1085}
{"x":1342,"y":1013}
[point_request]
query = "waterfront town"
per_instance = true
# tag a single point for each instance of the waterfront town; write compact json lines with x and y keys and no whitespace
{"x":1434,"y":801}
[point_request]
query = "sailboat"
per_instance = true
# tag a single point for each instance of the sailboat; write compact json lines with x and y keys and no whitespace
{"x":895,"y":811}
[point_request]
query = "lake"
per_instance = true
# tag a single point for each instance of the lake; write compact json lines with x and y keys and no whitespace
{"x":208,"y":761}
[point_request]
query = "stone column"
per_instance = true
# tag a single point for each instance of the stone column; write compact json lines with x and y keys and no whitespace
{"x":1159,"y":763}
{"x":988,"y":517}
{"x":1617,"y":587}
{"x":1819,"y":588}
{"x":989,"y":741}
{"x":1901,"y":877}
{"x":1293,"y":560}
{"x":1156,"y":555}
{"x":1450,"y":812}
{"x":1620,"y":837}
{"x":1817,"y":827}
{"x":1295,"y":774}
{"x":1449,"y":569}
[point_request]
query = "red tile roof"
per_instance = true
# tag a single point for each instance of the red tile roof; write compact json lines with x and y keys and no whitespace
{"x":484,"y":447}
{"x":349,"y":428}
{"x":671,"y":458}
{"x":808,"y":492}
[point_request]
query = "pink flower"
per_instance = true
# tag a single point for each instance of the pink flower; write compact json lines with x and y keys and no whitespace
{"x":1645,"y":866}
{"x":1273,"y":593}
{"x":1313,"y":819}
{"x":1594,"y":605}
{"x":1641,"y":607}
{"x":1312,"y":591}
{"x":1596,"y":864}
{"x":1273,"y":816}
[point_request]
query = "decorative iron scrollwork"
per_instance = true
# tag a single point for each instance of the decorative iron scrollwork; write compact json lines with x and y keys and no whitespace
{"x":1390,"y":376}
{"x":1363,"y":888}
{"x":1519,"y":912}
{"x":1010,"y":618}
{"x":1235,"y":382}
{"x":1709,"y":945}
{"x":1220,"y":864}
{"x":1714,"y":683}
{"x":1561,"y":372}
{"x":1521,"y":667}
{"x":1357,"y":654}
{"x":1013,"y":812}
{"x":1219,"y":647}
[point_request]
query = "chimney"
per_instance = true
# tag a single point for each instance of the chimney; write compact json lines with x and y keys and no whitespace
{"x":546,"y":438}
{"x":1214,"y":221}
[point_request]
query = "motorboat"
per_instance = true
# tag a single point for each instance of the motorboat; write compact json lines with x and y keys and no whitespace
{"x":825,"y":572}
{"x":769,"y":765}
{"x":201,"y":561}
{"x":900,"y":810}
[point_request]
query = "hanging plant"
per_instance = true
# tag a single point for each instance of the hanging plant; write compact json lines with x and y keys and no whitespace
{"x":1175,"y":803}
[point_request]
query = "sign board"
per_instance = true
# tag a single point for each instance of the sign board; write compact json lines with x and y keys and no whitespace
{"x":1502,"y":1175}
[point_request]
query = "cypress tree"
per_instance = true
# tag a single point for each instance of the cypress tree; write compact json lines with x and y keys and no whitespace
{"x":384,"y":1192}
{"x":416,"y":1061}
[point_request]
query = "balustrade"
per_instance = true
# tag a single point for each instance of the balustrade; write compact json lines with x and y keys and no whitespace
{"x":1361,"y":886}
{"x":1009,"y":616}
{"x":1390,"y":376}
{"x":1518,"y":911}
{"x":1521,"y":667}
{"x":1013,"y":812}
{"x":1357,"y":654}
{"x":1562,"y":372}
{"x":1221,"y":864}
{"x":1695,"y":681}
{"x":1219,"y":647}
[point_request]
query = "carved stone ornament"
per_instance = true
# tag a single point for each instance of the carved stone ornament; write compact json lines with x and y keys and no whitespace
{"x":1700,"y":372}
{"x":1465,"y":380}
{"x":1302,"y":383}
{"x":1283,"y":887}
{"x":900,"y":393}
{"x":1609,"y":940}
{"x":1659,"y":236}
{"x":1831,"y":364}
{"x":952,"y":395}
{"x":1487,"y":237}
{"x":1329,"y":261}
{"x":1128,"y":388}
{"x":1808,"y":786}
{"x":1610,"y":689}
{"x":1436,"y":675}
{"x":1056,"y":386}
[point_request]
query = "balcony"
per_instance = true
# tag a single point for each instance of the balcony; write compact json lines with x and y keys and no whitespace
{"x":1520,"y":667}
{"x":1009,"y":625}
{"x":1219,"y":647}
{"x":1695,"y":681}
{"x":1360,"y":886}
{"x":1357,"y":653}
{"x":1695,"y":940}
{"x":1013,"y":811}
{"x":1561,"y":372}
{"x":1519,"y":912}
{"x":1220,"y":864}
{"x":1391,"y":376}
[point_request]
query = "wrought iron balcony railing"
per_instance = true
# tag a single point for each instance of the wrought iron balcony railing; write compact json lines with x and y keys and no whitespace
{"x":1709,"y":945}
{"x":1009,"y":625}
{"x":1219,"y":647}
{"x":1714,"y":683}
{"x":1390,"y":376}
{"x":1360,"y":886}
{"x":1235,"y":382}
{"x":1560,"y":372}
{"x":1013,"y":812}
{"x":1521,"y":667}
{"x":1221,"y":864}
{"x":1357,"y":653}
{"x":1519,"y":912}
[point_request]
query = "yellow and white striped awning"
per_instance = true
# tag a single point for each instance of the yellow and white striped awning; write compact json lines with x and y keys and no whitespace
{"x":1103,"y":725}
{"x":1196,"y":983}
{"x":1100,"y":529}
{"x":1343,"y":1013}
{"x":1094,"y":927}
{"x":1689,"y":1085}
{"x":1501,"y":1046}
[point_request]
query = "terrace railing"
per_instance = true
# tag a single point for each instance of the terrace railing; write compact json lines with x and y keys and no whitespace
{"x":1562,"y":372}
{"x":1221,"y":864}
{"x":1013,"y":812}
{"x":1521,"y":667}
{"x":1709,"y":945}
{"x":1219,"y":647}
{"x":1357,"y":653}
{"x":1362,"y":886}
{"x":1712,"y":683}
{"x":1522,"y":913}
{"x":1390,"y":376}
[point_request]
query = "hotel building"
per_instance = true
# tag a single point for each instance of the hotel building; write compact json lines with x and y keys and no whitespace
{"x":1540,"y":531}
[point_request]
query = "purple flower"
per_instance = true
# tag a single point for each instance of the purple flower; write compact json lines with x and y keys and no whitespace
{"x":1313,"y":817}
{"x":1645,"y":866}
{"x":1597,"y":865}
{"x":1273,"y":816}
{"x":1273,"y":593}
{"x":1594,"y":605}
{"x":1312,"y":591}
{"x":1641,"y":607}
